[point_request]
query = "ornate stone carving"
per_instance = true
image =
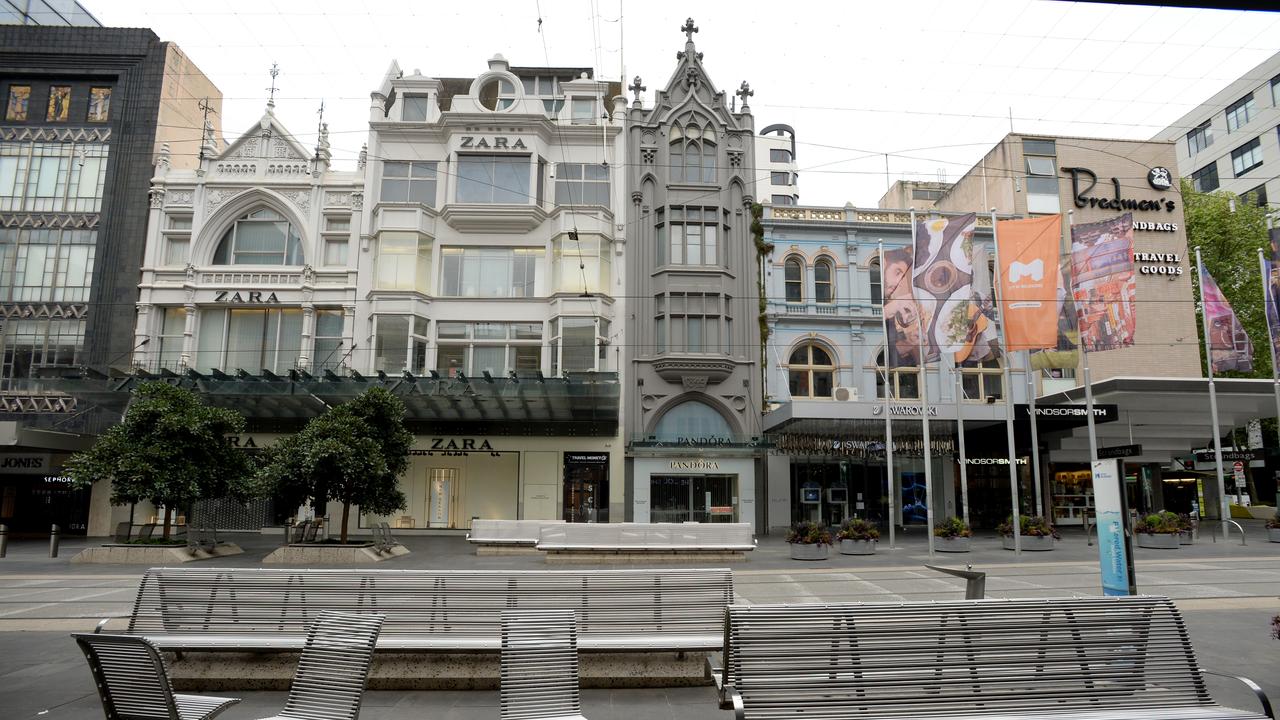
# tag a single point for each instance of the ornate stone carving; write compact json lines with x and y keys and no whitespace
{"x":157,"y":198}
{"x":180,"y":197}
{"x":637,"y":197}
{"x":637,"y":88}
{"x":735,"y":158}
{"x":308,"y":275}
{"x":49,"y":220}
{"x":55,"y":134}
{"x":248,"y":149}
{"x":694,"y":382}
{"x":301,"y":198}
{"x":190,"y":271}
{"x":648,"y":155}
{"x":231,"y":168}
{"x":357,"y":201}
{"x":338,"y":199}
{"x":214,"y":198}
{"x":280,"y":149}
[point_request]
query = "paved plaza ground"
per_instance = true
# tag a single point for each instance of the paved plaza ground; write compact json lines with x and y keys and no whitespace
{"x":1226,"y":591}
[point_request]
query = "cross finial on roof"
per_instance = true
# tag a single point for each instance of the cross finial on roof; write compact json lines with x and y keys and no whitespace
{"x":273,"y":72}
{"x":637,"y":88}
{"x":744,"y":92}
{"x":689,"y":29}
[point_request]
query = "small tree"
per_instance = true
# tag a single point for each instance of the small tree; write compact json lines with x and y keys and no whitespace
{"x":353,"y":453}
{"x":170,"y":449}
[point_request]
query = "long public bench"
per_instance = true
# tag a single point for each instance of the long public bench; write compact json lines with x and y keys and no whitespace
{"x":640,"y":542}
{"x":500,"y":537}
{"x":1078,"y":658}
{"x":268,"y":610}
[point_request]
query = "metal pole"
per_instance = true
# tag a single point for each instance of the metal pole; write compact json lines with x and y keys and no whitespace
{"x":924,"y":402}
{"x":4,"y":540}
{"x":53,"y":541}
{"x":1008,"y":397}
{"x":888,"y":417}
{"x":964,"y":459}
{"x":1225,"y":512}
{"x":1035,"y":438}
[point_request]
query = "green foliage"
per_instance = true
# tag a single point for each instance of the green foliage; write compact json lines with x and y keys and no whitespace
{"x":1229,"y":243}
{"x":808,"y":533}
{"x":858,"y":529}
{"x":1032,"y":526}
{"x":170,"y":449}
{"x":1161,"y":523}
{"x":353,"y":454}
{"x":952,"y":527}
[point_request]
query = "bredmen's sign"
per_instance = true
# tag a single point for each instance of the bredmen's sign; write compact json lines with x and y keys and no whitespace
{"x":1084,"y":180}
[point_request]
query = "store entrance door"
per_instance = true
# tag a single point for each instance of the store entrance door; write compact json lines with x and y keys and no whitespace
{"x":693,"y":498}
{"x":586,"y":487}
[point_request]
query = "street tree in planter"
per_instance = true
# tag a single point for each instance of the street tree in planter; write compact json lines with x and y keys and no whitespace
{"x":170,"y":449}
{"x":352,"y":454}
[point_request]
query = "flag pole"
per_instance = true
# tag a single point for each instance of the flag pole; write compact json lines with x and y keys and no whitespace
{"x":1035,"y":435}
{"x":1008,"y":396}
{"x":1267,"y":300}
{"x":1224,"y":512}
{"x":964,"y":460}
{"x":888,"y":417}
{"x":924,"y":401}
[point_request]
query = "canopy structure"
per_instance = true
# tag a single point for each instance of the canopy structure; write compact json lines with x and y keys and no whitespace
{"x":1168,"y":417}
{"x":577,"y":404}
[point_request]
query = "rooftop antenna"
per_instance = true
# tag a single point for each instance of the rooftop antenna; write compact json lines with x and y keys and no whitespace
{"x":274,"y":72}
{"x":205,"y":108}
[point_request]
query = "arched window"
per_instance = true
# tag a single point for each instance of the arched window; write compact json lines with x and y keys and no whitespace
{"x":982,"y":379}
{"x":810,"y":372}
{"x":692,"y":419}
{"x":693,"y":152}
{"x":877,"y":284}
{"x":260,"y":237}
{"x":793,"y":275}
{"x":824,"y":288}
{"x":903,"y":383}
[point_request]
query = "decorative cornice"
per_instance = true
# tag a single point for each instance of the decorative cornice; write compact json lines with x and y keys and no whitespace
{"x":85,"y":221}
{"x":678,"y":369}
{"x":493,"y":218}
{"x":55,"y":134}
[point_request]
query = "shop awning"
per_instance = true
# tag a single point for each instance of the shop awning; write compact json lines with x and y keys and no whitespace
{"x":579,"y":403}
{"x":1166,"y":416}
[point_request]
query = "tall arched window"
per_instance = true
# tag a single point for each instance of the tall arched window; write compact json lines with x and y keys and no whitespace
{"x":810,"y":372}
{"x":877,"y":284}
{"x":793,"y":275}
{"x":824,"y":288}
{"x":260,"y":237}
{"x":693,"y":152}
{"x":903,"y":383}
{"x":692,"y":419}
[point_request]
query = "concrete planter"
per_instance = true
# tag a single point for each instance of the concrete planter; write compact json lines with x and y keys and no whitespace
{"x":152,"y":554}
{"x":857,"y":547}
{"x":1262,"y":512}
{"x":331,"y":554}
{"x":1030,"y":543}
{"x":1158,"y":541}
{"x":951,"y":544}
{"x":802,"y":551}
{"x":1273,"y":534}
{"x":1186,"y":538}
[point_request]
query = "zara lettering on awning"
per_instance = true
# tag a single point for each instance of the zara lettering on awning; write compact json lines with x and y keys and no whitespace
{"x":246,"y":297}
{"x":499,"y":143}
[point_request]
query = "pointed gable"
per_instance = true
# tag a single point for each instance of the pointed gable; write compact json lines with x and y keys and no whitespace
{"x":690,"y":91}
{"x":268,"y":140}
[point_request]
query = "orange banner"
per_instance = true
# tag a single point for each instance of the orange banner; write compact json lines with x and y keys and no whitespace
{"x":1029,"y":254}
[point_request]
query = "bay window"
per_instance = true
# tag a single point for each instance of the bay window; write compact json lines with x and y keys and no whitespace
{"x":577,"y":343}
{"x":249,"y":339}
{"x":328,"y":340}
{"x":473,"y":348}
{"x":490,"y":272}
{"x":404,"y":261}
{"x":399,"y":344}
{"x":693,"y":235}
{"x":173,"y":323}
{"x":493,"y":178}
{"x":409,"y":182}
{"x":584,"y":265}
{"x":582,"y":184}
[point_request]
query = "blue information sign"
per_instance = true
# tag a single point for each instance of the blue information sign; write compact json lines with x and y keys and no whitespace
{"x":1110,"y":512}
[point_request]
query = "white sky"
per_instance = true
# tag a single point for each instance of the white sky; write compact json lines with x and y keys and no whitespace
{"x":930,"y":82}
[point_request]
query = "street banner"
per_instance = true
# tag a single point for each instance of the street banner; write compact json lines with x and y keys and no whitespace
{"x":942,"y":283}
{"x":1271,"y":290}
{"x":1103,"y":285}
{"x":902,"y":326}
{"x":1112,"y":550}
{"x":1029,"y":253}
{"x":1229,"y":345}
{"x":1066,"y":352}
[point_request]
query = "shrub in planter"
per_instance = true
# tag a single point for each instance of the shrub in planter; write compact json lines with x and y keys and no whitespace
{"x":954,"y":533}
{"x":1038,"y":534}
{"x":1159,"y":530}
{"x":857,"y":537}
{"x":809,"y":541}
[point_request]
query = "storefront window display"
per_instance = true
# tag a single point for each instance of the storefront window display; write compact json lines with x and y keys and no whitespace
{"x":693,"y":498}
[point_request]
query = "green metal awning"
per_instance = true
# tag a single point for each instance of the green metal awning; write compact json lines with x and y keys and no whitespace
{"x":587,"y":401}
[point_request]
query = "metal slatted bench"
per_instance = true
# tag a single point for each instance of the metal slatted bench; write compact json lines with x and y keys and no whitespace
{"x":497,"y":537}
{"x":593,"y":542}
{"x":1077,"y":658}
{"x":269,"y":610}
{"x":540,"y":666}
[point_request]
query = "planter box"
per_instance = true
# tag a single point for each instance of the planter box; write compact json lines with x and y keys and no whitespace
{"x":801,"y":551}
{"x":152,"y":554}
{"x":857,"y":547}
{"x":951,"y":544}
{"x":1186,"y":538}
{"x":331,"y":554}
{"x":1158,"y":541}
{"x":1262,"y":512}
{"x":1031,"y":543}
{"x":1273,"y":534}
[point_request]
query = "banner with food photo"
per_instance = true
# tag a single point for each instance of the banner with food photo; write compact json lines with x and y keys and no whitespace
{"x":1229,"y":345}
{"x":1103,"y":284}
{"x":901,"y":312}
{"x":956,"y":308}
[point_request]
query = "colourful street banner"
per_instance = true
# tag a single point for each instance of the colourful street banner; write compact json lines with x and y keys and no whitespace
{"x":900,"y":310}
{"x":1029,"y":253}
{"x":1271,"y":284}
{"x":943,"y":284}
{"x":1103,"y":285}
{"x":1066,"y":352}
{"x":1229,"y":345}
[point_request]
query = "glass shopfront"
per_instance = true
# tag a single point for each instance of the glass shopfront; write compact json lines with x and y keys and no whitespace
{"x":829,"y":492}
{"x":586,"y":487}
{"x":693,"y":498}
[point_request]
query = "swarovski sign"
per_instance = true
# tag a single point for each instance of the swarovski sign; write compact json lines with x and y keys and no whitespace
{"x":905,"y":410}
